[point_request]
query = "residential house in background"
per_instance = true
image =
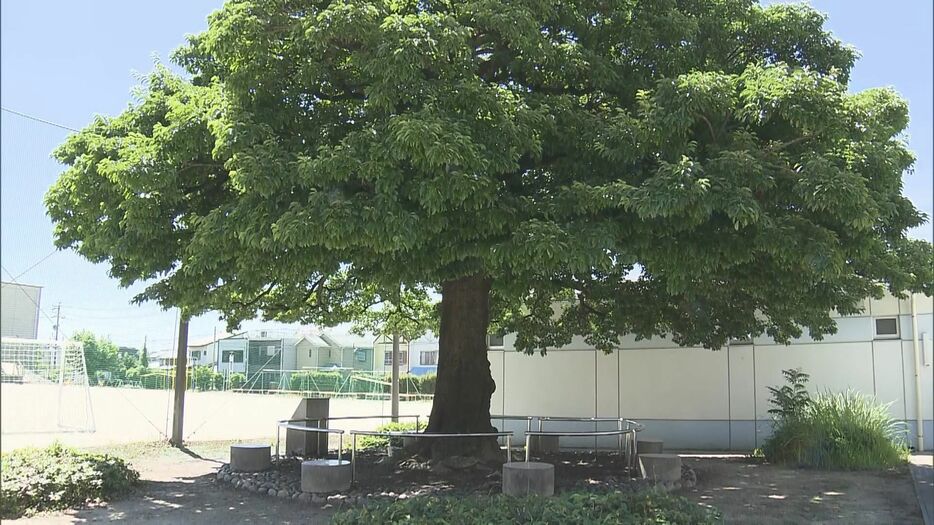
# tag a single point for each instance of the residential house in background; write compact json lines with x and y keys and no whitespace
{"x":19,"y":310}
{"x":382,"y":355}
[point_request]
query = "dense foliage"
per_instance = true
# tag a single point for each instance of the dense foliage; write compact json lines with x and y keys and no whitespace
{"x":53,"y":478}
{"x":380,"y":443}
{"x":695,"y":168}
{"x":846,"y":430}
{"x":625,"y":509}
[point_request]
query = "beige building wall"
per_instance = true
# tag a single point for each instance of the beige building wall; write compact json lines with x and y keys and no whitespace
{"x":698,"y":398}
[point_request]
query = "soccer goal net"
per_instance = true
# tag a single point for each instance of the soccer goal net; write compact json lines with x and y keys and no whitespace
{"x":44,"y":387}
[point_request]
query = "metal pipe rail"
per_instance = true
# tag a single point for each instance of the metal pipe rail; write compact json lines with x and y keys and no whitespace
{"x":287,"y":423}
{"x":418,"y":435}
{"x":527,"y":419}
{"x":580,"y":433}
{"x":302,"y":428}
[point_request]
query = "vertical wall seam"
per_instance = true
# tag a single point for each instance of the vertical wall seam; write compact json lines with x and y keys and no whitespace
{"x":729,"y":400}
{"x":755,"y":403}
{"x":872,"y":347}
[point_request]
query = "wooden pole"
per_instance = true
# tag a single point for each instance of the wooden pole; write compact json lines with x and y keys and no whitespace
{"x":394,"y":389}
{"x":181,"y":369}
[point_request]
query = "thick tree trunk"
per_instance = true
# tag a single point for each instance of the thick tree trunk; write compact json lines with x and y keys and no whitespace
{"x":465,"y":384}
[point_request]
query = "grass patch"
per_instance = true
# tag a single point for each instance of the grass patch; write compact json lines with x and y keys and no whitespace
{"x":616,"y":508}
{"x":56,"y":477}
{"x":833,"y":431}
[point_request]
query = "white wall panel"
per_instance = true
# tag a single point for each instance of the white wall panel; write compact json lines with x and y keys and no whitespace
{"x":832,"y":366}
{"x":497,"y":370}
{"x":608,"y":384}
{"x":558,"y":384}
{"x":673,"y":383}
{"x":887,"y":366}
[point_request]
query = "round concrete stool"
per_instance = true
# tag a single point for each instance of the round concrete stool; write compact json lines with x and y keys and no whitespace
{"x":660,"y":467}
{"x":249,"y":458}
{"x":326,"y":475}
{"x":650,"y":446}
{"x":520,"y":478}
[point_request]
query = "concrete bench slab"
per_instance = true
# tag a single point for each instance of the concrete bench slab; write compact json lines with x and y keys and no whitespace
{"x":660,"y":467}
{"x":326,"y":475}
{"x":249,"y":457}
{"x":520,"y":478}
{"x":650,"y":446}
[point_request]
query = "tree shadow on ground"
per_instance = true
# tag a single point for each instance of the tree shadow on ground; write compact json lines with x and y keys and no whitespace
{"x":198,"y":500}
{"x":756,"y":492}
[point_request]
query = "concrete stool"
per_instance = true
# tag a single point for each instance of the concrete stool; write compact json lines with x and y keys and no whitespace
{"x":660,"y":467}
{"x":249,"y":458}
{"x":521,"y":479}
{"x":544,"y":444}
{"x":649,"y":446}
{"x":326,"y":475}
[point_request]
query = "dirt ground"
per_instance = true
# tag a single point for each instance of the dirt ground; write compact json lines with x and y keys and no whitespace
{"x":126,"y":415}
{"x":178,"y":488}
{"x":749,"y":492}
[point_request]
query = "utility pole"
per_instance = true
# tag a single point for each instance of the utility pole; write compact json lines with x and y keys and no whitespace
{"x":58,"y":318}
{"x":181,"y":368}
{"x":394,"y":388}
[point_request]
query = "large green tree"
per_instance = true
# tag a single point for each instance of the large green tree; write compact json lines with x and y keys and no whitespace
{"x":690,"y":167}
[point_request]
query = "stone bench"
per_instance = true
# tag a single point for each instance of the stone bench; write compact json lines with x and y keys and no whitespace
{"x":649,"y":446}
{"x":326,"y":475}
{"x":660,"y":467}
{"x":249,"y":458}
{"x":521,"y":479}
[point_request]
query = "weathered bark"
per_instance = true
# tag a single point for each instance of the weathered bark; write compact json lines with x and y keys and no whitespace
{"x":465,"y":384}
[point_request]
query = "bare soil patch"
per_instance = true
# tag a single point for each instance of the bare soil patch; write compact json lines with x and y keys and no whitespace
{"x":749,"y":491}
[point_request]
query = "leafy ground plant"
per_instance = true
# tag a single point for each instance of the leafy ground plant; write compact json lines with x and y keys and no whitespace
{"x":56,"y":477}
{"x":616,"y":508}
{"x":845,"y":430}
{"x":380,"y":442}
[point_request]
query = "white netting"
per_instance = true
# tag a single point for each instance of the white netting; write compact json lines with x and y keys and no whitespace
{"x":44,"y":387}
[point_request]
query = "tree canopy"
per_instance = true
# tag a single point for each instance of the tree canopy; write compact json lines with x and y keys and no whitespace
{"x":697,"y":168}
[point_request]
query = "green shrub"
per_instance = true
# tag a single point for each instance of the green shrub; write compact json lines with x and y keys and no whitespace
{"x":847,"y":431}
{"x":54,"y":478}
{"x":236,"y":380}
{"x":380,"y":442}
{"x":156,"y":380}
{"x":316,"y":381}
{"x":617,"y":508}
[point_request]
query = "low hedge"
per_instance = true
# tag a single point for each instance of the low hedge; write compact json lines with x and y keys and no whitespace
{"x":380,"y":442}
{"x":56,"y":477}
{"x":616,"y":508}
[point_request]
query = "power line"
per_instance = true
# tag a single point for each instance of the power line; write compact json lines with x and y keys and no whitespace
{"x":37,"y":263}
{"x":47,"y":316}
{"x":37,"y":119}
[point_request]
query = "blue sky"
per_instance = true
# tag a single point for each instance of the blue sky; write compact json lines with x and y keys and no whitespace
{"x":67,"y":61}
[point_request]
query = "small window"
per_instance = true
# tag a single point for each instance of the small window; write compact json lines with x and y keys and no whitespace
{"x":232,"y":355}
{"x":403,"y":357}
{"x":887,"y":328}
{"x":360,"y":355}
{"x":196,"y":355}
{"x":495,"y":340}
{"x":428,"y":358}
{"x":270,"y":350}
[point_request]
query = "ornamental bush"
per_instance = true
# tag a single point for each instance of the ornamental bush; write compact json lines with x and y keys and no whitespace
{"x":379,"y":442}
{"x":56,"y":477}
{"x":237,"y":380}
{"x":616,"y":508}
{"x":843,"y":431}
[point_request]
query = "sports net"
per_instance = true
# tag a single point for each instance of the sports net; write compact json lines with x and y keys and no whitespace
{"x":44,"y":387}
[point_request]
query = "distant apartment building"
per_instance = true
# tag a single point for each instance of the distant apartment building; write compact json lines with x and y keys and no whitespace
{"x":19,"y":310}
